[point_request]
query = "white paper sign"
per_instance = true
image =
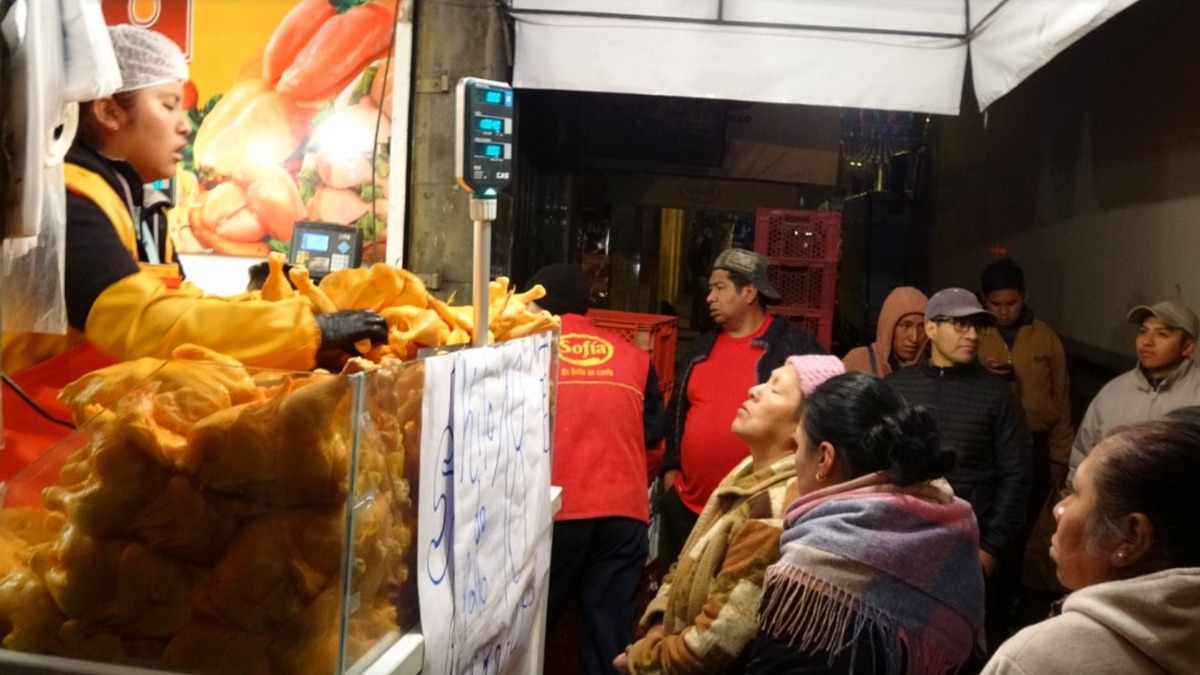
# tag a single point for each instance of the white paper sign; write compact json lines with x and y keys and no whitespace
{"x":484,"y":513}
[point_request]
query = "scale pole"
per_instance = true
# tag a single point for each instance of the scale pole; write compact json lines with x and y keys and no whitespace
{"x":483,"y":212}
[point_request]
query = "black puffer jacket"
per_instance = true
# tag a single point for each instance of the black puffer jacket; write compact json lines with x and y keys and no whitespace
{"x":980,"y":418}
{"x":781,"y":340}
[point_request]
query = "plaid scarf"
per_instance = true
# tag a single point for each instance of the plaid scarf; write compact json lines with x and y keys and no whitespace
{"x":901,"y":563}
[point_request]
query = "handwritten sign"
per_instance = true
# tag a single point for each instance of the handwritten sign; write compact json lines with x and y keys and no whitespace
{"x":484,"y":511}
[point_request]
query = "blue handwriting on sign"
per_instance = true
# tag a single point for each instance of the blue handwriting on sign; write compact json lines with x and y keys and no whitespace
{"x":475,"y":586}
{"x":438,"y":563}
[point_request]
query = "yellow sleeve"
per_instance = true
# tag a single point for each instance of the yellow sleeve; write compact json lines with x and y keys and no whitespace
{"x":138,"y":316}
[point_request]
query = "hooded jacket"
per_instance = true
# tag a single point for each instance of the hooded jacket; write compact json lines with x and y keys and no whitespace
{"x":1144,"y":626}
{"x":900,"y":302}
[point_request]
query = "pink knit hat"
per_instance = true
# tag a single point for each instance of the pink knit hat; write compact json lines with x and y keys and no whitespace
{"x":814,"y":369}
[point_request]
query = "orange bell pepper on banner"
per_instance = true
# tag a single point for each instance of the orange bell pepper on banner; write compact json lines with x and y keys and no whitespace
{"x":337,"y":53}
{"x":298,"y":27}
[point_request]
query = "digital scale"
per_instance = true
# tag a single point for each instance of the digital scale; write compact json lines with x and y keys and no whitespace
{"x":325,"y":247}
{"x":483,"y":135}
{"x":483,"y":164}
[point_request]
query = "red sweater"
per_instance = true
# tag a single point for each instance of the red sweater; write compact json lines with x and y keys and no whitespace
{"x":599,"y":438}
{"x":718,"y":386}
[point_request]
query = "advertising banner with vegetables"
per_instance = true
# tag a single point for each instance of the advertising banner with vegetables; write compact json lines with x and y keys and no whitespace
{"x":290,"y":114}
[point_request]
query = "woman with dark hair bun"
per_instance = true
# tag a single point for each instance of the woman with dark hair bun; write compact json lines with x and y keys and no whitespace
{"x":879,"y":571}
{"x":1127,"y":548}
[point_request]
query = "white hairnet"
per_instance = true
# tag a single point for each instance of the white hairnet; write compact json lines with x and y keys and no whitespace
{"x":146,"y":58}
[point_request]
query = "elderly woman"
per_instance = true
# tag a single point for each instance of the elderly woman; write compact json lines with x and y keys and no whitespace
{"x":1126,"y":546}
{"x":878,"y":570}
{"x":703,"y":616}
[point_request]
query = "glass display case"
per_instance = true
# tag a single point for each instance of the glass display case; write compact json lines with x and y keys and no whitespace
{"x":208,"y":518}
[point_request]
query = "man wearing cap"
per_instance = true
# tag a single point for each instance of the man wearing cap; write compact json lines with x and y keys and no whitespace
{"x":979,"y":416}
{"x":1165,"y":377}
{"x":711,"y":384}
{"x":609,"y":411}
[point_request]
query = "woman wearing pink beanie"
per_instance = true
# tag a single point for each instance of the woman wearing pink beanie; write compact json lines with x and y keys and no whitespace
{"x":703,"y":617}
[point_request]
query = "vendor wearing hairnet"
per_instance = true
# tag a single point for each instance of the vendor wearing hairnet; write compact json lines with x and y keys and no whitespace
{"x":136,"y":136}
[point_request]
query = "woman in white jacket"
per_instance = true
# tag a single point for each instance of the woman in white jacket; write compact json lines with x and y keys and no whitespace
{"x":1126,"y":545}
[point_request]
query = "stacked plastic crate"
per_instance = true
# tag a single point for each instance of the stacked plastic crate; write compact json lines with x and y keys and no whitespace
{"x":652,"y":333}
{"x":802,"y":250}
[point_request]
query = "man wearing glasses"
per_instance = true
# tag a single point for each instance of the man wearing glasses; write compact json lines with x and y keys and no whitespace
{"x":980,"y":418}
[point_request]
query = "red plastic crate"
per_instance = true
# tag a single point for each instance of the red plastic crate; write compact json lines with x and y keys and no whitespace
{"x":814,"y":320}
{"x":805,"y":287}
{"x":652,"y":333}
{"x":798,"y":237}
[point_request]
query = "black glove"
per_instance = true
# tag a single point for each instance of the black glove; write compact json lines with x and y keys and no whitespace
{"x":341,"y":330}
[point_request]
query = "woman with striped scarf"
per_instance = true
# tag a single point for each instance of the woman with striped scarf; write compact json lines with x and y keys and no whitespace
{"x":878,"y":570}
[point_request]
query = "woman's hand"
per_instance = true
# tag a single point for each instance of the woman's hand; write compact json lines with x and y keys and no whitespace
{"x":653,"y":634}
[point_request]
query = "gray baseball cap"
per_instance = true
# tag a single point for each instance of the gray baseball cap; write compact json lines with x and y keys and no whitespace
{"x":957,"y":303}
{"x":751,"y":265}
{"x":1173,"y":314}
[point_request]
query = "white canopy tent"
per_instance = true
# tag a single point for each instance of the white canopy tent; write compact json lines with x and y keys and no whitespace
{"x":906,"y":55}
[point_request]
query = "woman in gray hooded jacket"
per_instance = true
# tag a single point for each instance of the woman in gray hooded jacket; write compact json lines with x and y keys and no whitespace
{"x":1126,"y":546}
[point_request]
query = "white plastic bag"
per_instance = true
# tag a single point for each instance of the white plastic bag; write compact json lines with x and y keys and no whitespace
{"x":41,"y":128}
{"x":91,"y":69}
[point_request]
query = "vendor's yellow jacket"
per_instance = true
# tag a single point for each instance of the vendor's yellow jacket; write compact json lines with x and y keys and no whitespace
{"x":137,"y":315}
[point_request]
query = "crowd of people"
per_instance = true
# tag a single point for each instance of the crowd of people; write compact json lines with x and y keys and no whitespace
{"x":910,"y":515}
{"x":923,"y":505}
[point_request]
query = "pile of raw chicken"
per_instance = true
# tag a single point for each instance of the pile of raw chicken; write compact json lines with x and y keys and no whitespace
{"x":415,"y":318}
{"x":201,"y":524}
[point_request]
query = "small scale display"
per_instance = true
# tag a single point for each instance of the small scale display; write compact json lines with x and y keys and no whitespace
{"x":491,"y":125}
{"x":325,"y":247}
{"x":314,"y":241}
{"x":495,"y":97}
{"x":489,"y":150}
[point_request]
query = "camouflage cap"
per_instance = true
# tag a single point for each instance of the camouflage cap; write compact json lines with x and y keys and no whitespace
{"x":751,"y":265}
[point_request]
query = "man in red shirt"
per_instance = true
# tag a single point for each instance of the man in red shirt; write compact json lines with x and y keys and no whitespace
{"x":609,"y":411}
{"x":711,"y":385}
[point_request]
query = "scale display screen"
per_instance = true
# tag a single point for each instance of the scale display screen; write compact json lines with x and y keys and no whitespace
{"x":483,"y":134}
{"x":490,"y":150}
{"x":314,"y":241}
{"x":489,"y":125}
{"x":325,"y":247}
{"x":495,"y":97}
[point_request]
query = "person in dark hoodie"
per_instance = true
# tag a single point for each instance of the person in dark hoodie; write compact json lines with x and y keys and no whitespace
{"x":980,"y":419}
{"x":609,"y":412}
{"x":899,"y":335}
